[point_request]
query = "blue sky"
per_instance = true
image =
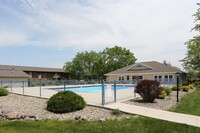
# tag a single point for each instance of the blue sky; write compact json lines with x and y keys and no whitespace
{"x":50,"y":32}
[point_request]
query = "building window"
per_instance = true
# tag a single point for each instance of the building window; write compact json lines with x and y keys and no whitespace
{"x":121,"y":78}
{"x":159,"y":78}
{"x":166,"y":78}
{"x":137,"y":77}
{"x":127,"y":77}
{"x":140,"y":77}
{"x":170,"y":78}
{"x":134,"y":77}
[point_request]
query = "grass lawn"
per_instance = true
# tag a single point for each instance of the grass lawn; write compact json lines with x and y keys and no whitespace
{"x":189,"y":104}
{"x":137,"y":125}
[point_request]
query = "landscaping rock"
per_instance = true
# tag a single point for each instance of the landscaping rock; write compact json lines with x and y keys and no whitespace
{"x":32,"y":116}
{"x":13,"y":115}
{"x":32,"y":106}
{"x":4,"y":113}
{"x":102,"y":120}
{"x":27,"y":118}
{"x":23,"y":116}
{"x":83,"y":118}
{"x":78,"y":117}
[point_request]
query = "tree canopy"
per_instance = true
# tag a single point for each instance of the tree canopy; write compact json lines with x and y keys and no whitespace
{"x":192,"y":59}
{"x":93,"y":65}
{"x":117,"y":57}
{"x":83,"y":65}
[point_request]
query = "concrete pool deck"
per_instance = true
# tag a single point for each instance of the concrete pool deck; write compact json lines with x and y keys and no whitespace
{"x":92,"y":98}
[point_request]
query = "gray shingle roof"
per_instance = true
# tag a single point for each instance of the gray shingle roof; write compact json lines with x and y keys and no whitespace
{"x":15,"y":73}
{"x":146,"y":67}
{"x":33,"y":69}
{"x":19,"y":71}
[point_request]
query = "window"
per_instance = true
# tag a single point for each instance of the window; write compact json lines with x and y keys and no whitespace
{"x":133,"y":77}
{"x":170,"y":78}
{"x":159,"y":78}
{"x":137,"y":77}
{"x":121,"y":78}
{"x":140,"y":77}
{"x":127,"y":77}
{"x":166,"y":78}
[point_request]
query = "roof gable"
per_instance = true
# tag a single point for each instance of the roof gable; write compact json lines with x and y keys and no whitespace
{"x":139,"y":67}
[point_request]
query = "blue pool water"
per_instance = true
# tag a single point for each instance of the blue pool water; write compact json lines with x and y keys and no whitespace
{"x":93,"y":88}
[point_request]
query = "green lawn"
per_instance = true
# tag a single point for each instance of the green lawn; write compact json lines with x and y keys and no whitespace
{"x":189,"y":104}
{"x":137,"y":125}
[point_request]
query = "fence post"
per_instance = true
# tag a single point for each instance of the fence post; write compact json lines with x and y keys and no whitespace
{"x":103,"y":93}
{"x":40,"y":88}
{"x":1,"y":84}
{"x":23,"y":87}
{"x":64,"y":85}
{"x":11,"y":86}
{"x":115,"y":95}
{"x":134,"y":89}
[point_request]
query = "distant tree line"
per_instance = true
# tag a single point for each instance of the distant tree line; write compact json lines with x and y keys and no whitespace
{"x":93,"y":65}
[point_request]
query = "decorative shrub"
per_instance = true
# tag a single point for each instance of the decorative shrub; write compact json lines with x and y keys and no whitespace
{"x":168,"y":90}
{"x":192,"y":86}
{"x":65,"y":101}
{"x":197,"y":83}
{"x":185,"y":88}
{"x":185,"y":82}
{"x":116,"y":112}
{"x":163,"y":94}
{"x":149,"y":90}
{"x":174,"y":88}
{"x":3,"y":92}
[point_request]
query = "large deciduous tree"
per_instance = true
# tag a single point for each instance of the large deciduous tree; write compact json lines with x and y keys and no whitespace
{"x":93,"y":65}
{"x":192,"y":59}
{"x":83,"y":66}
{"x":117,"y":57}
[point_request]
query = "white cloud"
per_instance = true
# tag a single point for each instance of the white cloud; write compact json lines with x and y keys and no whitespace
{"x":149,"y":28}
{"x":12,"y":38}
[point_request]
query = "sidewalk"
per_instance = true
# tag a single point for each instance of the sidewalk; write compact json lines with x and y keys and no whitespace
{"x":155,"y":113}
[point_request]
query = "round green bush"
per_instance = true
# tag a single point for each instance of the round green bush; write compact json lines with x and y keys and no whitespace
{"x":168,"y":90}
{"x":3,"y":92}
{"x":192,"y":86}
{"x":174,"y":88}
{"x":185,"y":88}
{"x":65,"y":101}
{"x":116,"y":112}
{"x":163,"y":94}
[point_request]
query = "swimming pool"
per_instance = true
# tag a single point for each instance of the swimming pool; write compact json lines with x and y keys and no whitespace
{"x":93,"y":88}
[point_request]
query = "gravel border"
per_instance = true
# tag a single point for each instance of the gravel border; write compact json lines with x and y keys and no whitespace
{"x":37,"y":107}
{"x":162,"y":104}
